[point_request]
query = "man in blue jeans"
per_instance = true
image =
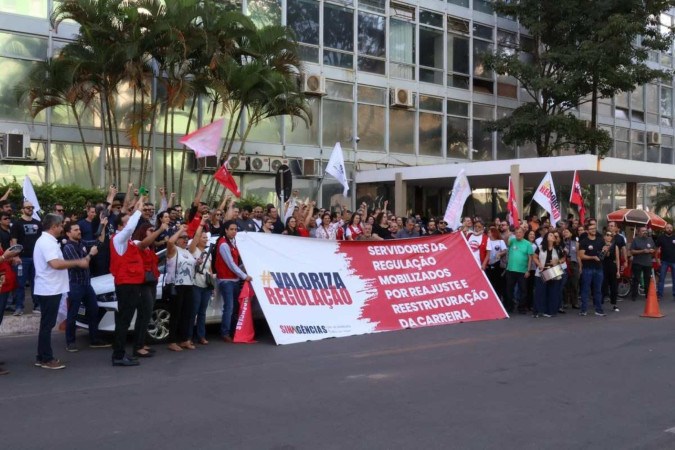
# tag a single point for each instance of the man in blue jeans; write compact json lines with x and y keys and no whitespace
{"x":590,"y":251}
{"x":229,"y":273}
{"x":80,"y":290}
{"x":666,"y":242}
{"x":51,"y":282}
{"x":25,"y":231}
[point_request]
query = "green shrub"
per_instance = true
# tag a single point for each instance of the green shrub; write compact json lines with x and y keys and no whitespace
{"x":73,"y":198}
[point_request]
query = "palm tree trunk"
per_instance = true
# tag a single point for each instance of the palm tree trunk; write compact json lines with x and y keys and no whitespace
{"x":187,"y":130}
{"x":132,"y":149}
{"x":150,"y":138}
{"x":84,"y":146}
{"x":111,"y":143}
{"x":164,"y":145}
{"x":142,"y":135}
{"x":173,"y":164}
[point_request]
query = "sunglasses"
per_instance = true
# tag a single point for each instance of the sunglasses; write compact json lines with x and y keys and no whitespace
{"x":59,"y":210}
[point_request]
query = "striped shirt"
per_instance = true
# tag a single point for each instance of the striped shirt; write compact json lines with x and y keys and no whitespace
{"x":76,"y":250}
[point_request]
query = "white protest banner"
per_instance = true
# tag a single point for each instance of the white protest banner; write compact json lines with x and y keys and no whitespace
{"x":460,"y":192}
{"x":311,"y":289}
{"x":29,"y":195}
{"x":545,"y":196}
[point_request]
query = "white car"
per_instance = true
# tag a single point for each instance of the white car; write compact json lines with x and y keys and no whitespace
{"x":158,"y":330}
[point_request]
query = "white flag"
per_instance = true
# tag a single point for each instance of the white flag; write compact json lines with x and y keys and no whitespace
{"x":206,"y":140}
{"x":546,"y":197}
{"x":29,"y":195}
{"x":460,"y":192}
{"x":290,"y":209}
{"x":336,"y":167}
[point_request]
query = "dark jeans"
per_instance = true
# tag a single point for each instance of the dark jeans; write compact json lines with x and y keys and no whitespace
{"x":128,"y":301}
{"x":3,"y":304}
{"x":591,"y":281}
{"x":665,"y":265}
{"x":181,"y":319}
{"x":610,"y":285}
{"x":27,"y":274}
{"x":229,"y":290}
{"x":513,"y":279}
{"x":494,"y":274}
{"x":77,"y":295}
{"x":147,"y":302}
{"x":572,"y":285}
{"x":547,"y":296}
{"x":49,"y":307}
{"x":643,"y":273}
{"x":201,"y":297}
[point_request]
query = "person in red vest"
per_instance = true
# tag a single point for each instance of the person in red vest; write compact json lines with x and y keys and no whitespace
{"x":145,"y":237}
{"x":127,"y":266}
{"x":229,"y":273}
{"x":7,"y":284}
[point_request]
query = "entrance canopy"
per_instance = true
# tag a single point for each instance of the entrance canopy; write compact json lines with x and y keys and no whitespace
{"x":494,"y":174}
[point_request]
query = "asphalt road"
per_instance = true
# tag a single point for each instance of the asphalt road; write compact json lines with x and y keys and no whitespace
{"x":523,"y":383}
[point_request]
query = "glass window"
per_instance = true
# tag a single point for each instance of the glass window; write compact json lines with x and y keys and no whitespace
{"x":303,"y":19}
{"x":340,"y":34}
{"x":402,"y":49}
{"x":372,"y":35}
{"x":371,"y":127}
{"x":480,"y":49}
{"x":482,"y":31}
{"x":68,"y":162}
{"x":369,"y":94}
{"x":402,"y":131}
{"x":402,"y":11}
{"x":431,"y":134}
{"x":666,"y":105}
{"x":458,"y":137}
{"x":484,"y":6}
{"x":482,"y":112}
{"x":637,"y":100}
{"x":504,"y":151}
{"x":14,"y":71}
{"x":431,"y":103}
{"x":299,"y":133}
{"x":653,"y":153}
{"x":431,"y":18}
{"x":431,"y":55}
{"x":482,"y":141}
{"x":337,"y":90}
{"x":464,"y":3}
{"x":459,"y":26}
{"x":268,"y":130}
{"x":337,"y":123}
{"x":666,"y":155}
{"x":458,"y":108}
{"x":33,"y":8}
{"x":264,"y":12}
{"x":23,"y":47}
{"x":458,"y":54}
{"x":652,"y":98}
{"x":372,"y":5}
{"x":637,"y":151}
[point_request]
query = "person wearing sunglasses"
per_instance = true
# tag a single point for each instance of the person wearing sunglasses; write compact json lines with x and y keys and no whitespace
{"x":25,"y":232}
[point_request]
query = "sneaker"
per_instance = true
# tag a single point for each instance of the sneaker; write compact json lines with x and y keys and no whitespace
{"x":37,"y":363}
{"x":615,"y":308}
{"x":99,"y":344}
{"x":72,"y":348}
{"x":583,"y":313}
{"x":18,"y":312}
{"x":546,"y":315}
{"x":601,"y":314}
{"x":54,"y":364}
{"x":36,"y":311}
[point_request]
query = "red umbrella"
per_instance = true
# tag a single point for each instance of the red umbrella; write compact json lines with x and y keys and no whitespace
{"x":637,"y":216}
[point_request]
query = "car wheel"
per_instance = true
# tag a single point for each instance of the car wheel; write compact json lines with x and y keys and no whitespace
{"x":158,"y":329}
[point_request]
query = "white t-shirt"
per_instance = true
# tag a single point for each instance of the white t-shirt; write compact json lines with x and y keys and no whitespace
{"x":494,"y":247}
{"x":48,"y":281}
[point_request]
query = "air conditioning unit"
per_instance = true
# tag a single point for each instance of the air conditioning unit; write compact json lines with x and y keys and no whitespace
{"x":653,"y":138}
{"x":260,"y":164}
{"x":208,"y":163}
{"x":240,"y":163}
{"x":313,"y":84}
{"x":275,"y":163}
{"x":310,"y":168}
{"x":401,"y":98}
{"x":14,"y":146}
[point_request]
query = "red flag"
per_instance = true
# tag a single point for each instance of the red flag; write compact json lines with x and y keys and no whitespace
{"x":244,"y":332}
{"x":576,"y":198}
{"x":224,"y":177}
{"x":206,"y":140}
{"x":512,"y":205}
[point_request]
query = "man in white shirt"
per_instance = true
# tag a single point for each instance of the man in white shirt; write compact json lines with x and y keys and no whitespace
{"x":51,"y":282}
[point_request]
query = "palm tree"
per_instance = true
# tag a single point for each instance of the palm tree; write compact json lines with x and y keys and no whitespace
{"x":665,"y":199}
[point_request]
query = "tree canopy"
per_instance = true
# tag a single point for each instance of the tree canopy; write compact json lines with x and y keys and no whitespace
{"x":580,"y":51}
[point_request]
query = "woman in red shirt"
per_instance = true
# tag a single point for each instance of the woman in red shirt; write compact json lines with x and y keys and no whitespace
{"x":354,"y":228}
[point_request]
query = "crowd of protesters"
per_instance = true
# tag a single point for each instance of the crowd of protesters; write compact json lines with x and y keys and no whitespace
{"x":56,"y":256}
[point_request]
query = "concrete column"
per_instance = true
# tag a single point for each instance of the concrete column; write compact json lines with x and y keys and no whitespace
{"x":631,"y":195}
{"x":400,"y":191}
{"x":517,"y":186}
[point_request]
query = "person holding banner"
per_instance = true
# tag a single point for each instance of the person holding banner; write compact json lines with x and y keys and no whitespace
{"x":228,"y":272}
